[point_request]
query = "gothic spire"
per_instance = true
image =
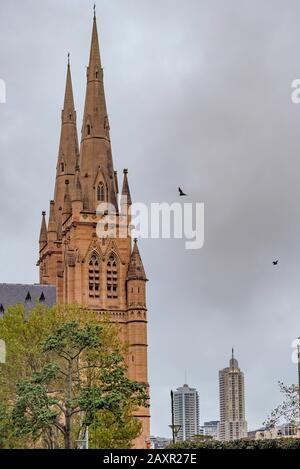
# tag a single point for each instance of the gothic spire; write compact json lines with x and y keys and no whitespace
{"x":69,"y":107}
{"x":136,"y":269}
{"x":68,"y":147}
{"x":126,"y":196}
{"x":43,"y":233}
{"x":95,"y":139}
{"x":95,"y":61}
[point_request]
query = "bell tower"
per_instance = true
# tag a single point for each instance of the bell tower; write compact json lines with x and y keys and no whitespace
{"x":104,"y":273}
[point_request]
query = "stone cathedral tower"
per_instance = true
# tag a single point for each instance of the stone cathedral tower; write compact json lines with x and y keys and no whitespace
{"x":102,"y":273}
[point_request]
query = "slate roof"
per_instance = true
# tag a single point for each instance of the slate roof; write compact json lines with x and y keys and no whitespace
{"x":28,"y":295}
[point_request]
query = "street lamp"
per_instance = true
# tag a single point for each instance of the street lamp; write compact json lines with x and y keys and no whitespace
{"x":175,"y":428}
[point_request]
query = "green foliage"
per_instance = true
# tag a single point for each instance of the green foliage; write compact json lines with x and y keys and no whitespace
{"x":34,"y":412}
{"x":65,"y":371}
{"x":109,"y":432}
{"x":283,"y":443}
{"x":201,"y":438}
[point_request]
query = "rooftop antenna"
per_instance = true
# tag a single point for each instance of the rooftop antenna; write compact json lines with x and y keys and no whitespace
{"x":185,"y":376}
{"x":232,"y":358}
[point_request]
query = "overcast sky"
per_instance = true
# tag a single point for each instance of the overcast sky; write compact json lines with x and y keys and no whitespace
{"x":198,"y":93}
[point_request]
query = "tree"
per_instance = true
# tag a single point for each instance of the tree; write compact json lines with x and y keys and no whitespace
{"x":110,"y":432}
{"x":75,"y":376}
{"x":289,"y":410}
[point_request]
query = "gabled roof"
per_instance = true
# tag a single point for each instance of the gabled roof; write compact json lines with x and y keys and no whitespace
{"x":27,"y":295}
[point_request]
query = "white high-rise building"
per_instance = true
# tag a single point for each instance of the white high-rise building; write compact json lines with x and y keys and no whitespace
{"x":233,"y":425}
{"x":186,"y":412}
{"x":210,"y":429}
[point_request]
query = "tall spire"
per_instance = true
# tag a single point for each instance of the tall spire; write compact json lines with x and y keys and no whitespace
{"x":68,"y":147}
{"x":69,"y":108}
{"x":95,"y":60}
{"x":95,"y":138}
{"x":136,"y":269}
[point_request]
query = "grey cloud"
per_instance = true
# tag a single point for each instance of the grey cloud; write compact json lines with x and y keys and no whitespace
{"x":199,"y":95}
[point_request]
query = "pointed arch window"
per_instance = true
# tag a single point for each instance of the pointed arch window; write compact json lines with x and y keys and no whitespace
{"x":88,"y":129}
{"x":94,"y":277}
{"x":62,"y":167}
{"x":112,"y":277}
{"x":42,"y":298}
{"x":28,"y":298}
{"x":100,"y":192}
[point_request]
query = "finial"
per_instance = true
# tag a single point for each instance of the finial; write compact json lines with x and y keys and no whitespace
{"x":43,"y":214}
{"x":125,"y":171}
{"x":68,"y":58}
{"x":135,"y":240}
{"x":94,"y":10}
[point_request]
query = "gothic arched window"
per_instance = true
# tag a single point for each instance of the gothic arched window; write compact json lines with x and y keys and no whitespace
{"x":94,"y":277}
{"x":88,"y":129}
{"x":112,"y":277}
{"x":42,"y":298}
{"x":62,"y":167}
{"x":100,"y":192}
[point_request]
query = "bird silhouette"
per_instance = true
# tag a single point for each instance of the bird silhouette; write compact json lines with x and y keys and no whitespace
{"x":181,"y":193}
{"x":275,"y":262}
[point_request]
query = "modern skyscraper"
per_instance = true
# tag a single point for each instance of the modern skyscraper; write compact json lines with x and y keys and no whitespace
{"x":186,"y":412}
{"x":233,"y":425}
{"x":103,"y":272}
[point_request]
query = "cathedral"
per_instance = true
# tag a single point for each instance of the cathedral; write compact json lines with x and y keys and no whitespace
{"x":105,"y":274}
